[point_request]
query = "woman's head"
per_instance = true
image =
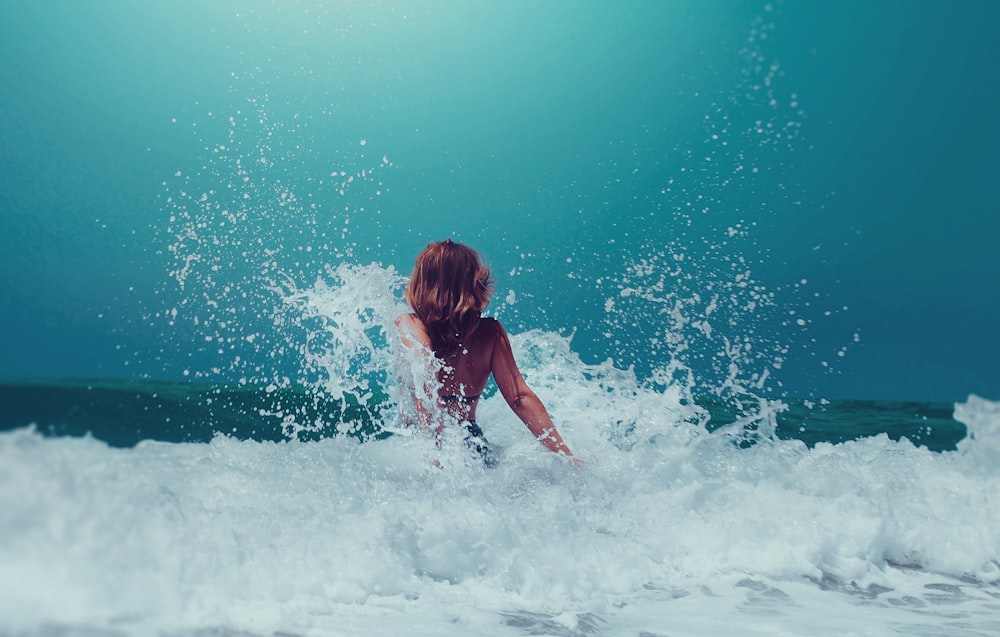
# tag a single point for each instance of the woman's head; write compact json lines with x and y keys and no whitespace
{"x":448,"y":289}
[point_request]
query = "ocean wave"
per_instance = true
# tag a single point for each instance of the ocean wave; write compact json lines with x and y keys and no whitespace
{"x":263,"y":535}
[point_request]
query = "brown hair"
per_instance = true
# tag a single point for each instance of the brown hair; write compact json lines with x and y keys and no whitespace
{"x":449,"y":288}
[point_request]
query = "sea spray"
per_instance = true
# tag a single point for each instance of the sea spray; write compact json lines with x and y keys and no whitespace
{"x":343,"y":331}
{"x":279,"y":195}
{"x":266,"y":204}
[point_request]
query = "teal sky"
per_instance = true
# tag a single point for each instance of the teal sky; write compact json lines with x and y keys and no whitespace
{"x":548,"y":129}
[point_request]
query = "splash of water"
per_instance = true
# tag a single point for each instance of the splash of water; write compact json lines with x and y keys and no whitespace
{"x":266,"y":213}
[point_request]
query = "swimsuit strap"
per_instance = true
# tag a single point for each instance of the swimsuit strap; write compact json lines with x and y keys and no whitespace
{"x":459,"y":399}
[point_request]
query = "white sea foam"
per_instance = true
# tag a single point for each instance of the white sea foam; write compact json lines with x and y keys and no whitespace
{"x":667,"y":529}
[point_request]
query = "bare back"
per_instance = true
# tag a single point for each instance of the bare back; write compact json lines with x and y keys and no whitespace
{"x":463,"y":378}
{"x":465,"y":373}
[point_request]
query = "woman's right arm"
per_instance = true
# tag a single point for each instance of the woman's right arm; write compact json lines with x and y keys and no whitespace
{"x":522,"y":400}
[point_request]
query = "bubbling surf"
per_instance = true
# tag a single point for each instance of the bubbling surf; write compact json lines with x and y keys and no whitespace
{"x":667,"y":528}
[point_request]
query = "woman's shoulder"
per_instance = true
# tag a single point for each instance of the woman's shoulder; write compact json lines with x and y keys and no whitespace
{"x":495,"y":323}
{"x":491,"y":330}
{"x":490,"y":324}
{"x":410,"y":325}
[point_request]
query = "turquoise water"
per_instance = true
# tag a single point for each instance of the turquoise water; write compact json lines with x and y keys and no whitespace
{"x":745,"y":252}
{"x":565,"y":142}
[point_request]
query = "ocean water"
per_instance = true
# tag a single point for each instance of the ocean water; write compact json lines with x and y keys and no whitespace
{"x":743,"y":249}
{"x":181,"y":516}
{"x":142,"y":507}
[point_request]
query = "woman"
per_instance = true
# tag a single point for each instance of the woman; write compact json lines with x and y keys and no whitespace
{"x":449,"y":288}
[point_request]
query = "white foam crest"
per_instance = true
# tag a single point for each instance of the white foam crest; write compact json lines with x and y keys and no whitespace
{"x":982,"y":419}
{"x":342,"y":326}
{"x":599,"y":403}
{"x":263,"y":536}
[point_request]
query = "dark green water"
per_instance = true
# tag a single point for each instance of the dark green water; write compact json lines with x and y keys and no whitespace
{"x":122,"y":413}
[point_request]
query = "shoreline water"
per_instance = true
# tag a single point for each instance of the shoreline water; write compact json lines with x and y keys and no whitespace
{"x":122,"y":412}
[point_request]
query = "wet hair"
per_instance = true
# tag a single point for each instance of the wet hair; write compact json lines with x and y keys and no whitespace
{"x":449,"y":288}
